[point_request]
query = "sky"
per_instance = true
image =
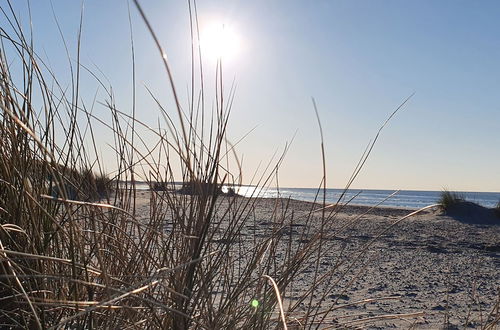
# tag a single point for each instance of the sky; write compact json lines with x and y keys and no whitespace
{"x":359,"y":60}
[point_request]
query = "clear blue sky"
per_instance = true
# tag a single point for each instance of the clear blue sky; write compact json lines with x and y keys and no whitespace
{"x":358,"y":59}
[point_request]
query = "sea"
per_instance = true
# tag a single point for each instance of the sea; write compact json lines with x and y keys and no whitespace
{"x":411,"y":199}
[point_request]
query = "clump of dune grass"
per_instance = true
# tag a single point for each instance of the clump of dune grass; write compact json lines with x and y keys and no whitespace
{"x":159,"y":186}
{"x":104,"y":185}
{"x":448,"y":199}
{"x":96,"y":186}
{"x":70,"y":261}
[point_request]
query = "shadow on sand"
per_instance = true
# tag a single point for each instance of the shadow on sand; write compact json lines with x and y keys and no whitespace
{"x":471,"y":213}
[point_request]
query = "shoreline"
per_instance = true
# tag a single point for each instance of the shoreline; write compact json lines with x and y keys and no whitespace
{"x":411,"y":199}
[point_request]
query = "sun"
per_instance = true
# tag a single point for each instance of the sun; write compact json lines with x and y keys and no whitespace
{"x":219,"y":41}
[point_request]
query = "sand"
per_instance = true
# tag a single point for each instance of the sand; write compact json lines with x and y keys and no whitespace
{"x":435,"y":264}
{"x":443,"y":272}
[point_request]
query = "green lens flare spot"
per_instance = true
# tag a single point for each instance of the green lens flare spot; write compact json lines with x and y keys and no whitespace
{"x":255,"y":303}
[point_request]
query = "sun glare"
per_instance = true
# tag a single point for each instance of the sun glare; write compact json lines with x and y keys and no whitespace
{"x":219,"y":41}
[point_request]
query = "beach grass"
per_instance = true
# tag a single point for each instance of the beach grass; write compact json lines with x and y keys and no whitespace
{"x":448,"y":199}
{"x":76,"y":250}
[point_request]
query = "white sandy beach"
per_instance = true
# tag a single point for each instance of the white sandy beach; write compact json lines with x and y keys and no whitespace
{"x":434,"y":269}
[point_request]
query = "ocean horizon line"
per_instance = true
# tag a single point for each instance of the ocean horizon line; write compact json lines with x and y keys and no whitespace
{"x":319,"y":189}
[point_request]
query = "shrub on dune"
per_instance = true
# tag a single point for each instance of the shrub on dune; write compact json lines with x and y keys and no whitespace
{"x":455,"y":205}
{"x":448,"y":199}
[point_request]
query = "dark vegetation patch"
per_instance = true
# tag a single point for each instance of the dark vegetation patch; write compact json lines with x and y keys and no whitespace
{"x":454,"y":205}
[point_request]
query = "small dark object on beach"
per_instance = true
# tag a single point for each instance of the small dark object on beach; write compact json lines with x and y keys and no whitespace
{"x":199,"y":188}
{"x":160,"y":186}
{"x":231,"y":193}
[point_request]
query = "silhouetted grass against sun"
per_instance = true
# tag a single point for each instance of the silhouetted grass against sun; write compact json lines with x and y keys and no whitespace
{"x":82,"y":246}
